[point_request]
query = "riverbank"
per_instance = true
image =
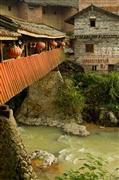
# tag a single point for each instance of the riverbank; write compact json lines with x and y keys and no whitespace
{"x":68,"y":102}
{"x":91,"y":126}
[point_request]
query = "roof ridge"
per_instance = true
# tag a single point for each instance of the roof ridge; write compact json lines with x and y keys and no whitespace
{"x":71,"y":18}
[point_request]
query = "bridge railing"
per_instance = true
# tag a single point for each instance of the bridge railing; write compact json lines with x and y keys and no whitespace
{"x":17,"y":74}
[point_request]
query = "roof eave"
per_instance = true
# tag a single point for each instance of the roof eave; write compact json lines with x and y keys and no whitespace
{"x":4,"y":38}
{"x":70,"y":20}
{"x":38,"y":3}
{"x":35,"y":35}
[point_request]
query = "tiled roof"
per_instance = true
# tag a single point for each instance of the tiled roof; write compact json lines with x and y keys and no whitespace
{"x":40,"y":29}
{"x":8,"y":35}
{"x":65,"y":3}
{"x":70,"y":20}
{"x":110,"y":5}
{"x":30,"y":29}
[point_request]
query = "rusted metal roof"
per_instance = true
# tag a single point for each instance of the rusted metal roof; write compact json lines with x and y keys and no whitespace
{"x":17,"y":74}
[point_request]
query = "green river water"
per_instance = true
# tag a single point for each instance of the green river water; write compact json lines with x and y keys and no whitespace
{"x":69,"y":149}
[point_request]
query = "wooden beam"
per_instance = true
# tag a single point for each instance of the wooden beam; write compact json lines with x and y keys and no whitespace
{"x":1,"y":51}
{"x":8,"y":38}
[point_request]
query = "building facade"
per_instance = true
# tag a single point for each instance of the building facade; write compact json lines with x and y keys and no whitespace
{"x":96,"y":43}
{"x":52,"y":12}
{"x":110,"y":5}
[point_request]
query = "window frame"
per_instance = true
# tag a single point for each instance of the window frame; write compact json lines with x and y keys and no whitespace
{"x":94,"y":67}
{"x":92,"y":22}
{"x":88,"y":48}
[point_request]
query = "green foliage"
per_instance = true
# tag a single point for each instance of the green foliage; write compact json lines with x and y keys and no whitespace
{"x":92,"y":169}
{"x":84,"y":80}
{"x":89,"y":93}
{"x":100,"y":90}
{"x":70,"y":99}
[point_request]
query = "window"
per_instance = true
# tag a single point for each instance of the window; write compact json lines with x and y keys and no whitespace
{"x":89,"y":48}
{"x":92,"y":21}
{"x":94,"y":68}
{"x":110,"y":67}
{"x":44,"y":11}
{"x":9,"y":8}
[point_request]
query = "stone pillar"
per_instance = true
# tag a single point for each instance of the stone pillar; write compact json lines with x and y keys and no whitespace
{"x":14,"y":161}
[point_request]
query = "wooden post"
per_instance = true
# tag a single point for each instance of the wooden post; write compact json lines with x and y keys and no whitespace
{"x":26,"y":49}
{"x":1,"y":51}
{"x":47,"y":45}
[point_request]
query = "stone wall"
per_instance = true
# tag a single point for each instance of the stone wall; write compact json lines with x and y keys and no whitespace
{"x":8,"y":7}
{"x":23,"y":10}
{"x":14,"y":161}
{"x":51,"y":15}
{"x":105,"y":24}
{"x":30,"y":13}
{"x":106,"y":47}
{"x":67,"y":13}
{"x":55,"y":16}
{"x":106,"y":51}
{"x":35,"y":14}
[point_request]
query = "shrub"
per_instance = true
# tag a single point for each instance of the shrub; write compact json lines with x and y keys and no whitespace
{"x":70,"y":99}
{"x":100,"y":90}
{"x":90,"y":92}
{"x":92,"y":169}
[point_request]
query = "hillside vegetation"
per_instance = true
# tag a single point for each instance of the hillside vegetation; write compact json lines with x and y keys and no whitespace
{"x":95,"y":96}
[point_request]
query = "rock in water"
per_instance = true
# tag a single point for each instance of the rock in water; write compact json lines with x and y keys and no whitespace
{"x":43,"y":159}
{"x":75,"y":129}
{"x":112,"y":117}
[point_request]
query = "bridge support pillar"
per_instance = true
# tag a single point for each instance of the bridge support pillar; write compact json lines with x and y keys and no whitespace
{"x":14,"y":161}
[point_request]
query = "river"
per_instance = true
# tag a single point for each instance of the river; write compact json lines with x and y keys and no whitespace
{"x":70,"y":149}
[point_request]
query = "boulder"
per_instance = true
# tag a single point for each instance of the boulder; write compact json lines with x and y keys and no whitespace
{"x":75,"y":129}
{"x":39,"y":107}
{"x":112,"y":118}
{"x":108,"y":118}
{"x":43,"y":159}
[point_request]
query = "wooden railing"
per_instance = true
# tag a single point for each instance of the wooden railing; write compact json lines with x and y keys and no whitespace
{"x":17,"y":74}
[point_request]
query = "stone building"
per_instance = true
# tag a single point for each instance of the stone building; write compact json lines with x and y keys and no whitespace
{"x":96,"y":38}
{"x":52,"y":12}
{"x":110,"y":5}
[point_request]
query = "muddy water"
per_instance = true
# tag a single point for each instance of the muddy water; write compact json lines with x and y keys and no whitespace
{"x":70,"y":149}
